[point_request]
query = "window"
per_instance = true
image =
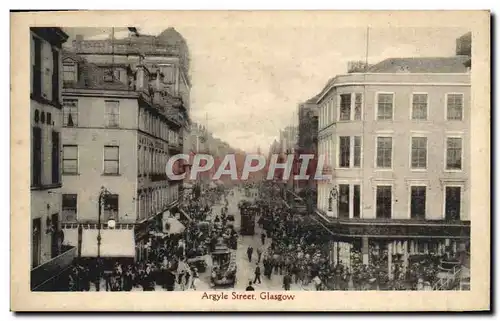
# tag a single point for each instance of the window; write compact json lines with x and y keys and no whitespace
{"x":139,"y":160}
{"x":384,"y":106}
{"x":55,"y":76}
{"x":109,"y":74}
{"x":69,"y":207}
{"x":56,"y":169}
{"x":343,"y":201}
{"x":454,"y":106}
{"x":36,"y":166}
{"x":356,"y":201}
{"x":417,"y":202}
{"x":345,"y":107}
{"x":345,"y":149}
{"x":419,"y":152}
{"x":70,"y":72}
{"x":384,"y":201}
{"x":419,"y":107}
{"x":358,"y":106}
{"x":357,"y":151}
{"x":70,"y":159}
{"x":110,"y":210}
{"x":454,"y":153}
{"x":111,"y":159}
{"x":452,"y":203}
{"x":37,"y":67}
{"x":112,"y":113}
{"x":384,"y":152}
{"x":70,"y":112}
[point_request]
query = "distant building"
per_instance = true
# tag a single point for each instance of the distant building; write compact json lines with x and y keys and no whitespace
{"x":308,"y":138}
{"x":48,"y":257}
{"x":288,"y":139}
{"x":398,"y":139}
{"x":464,"y":45}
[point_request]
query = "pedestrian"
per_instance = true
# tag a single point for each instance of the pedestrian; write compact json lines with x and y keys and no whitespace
{"x":148,"y":283}
{"x":287,"y":281}
{"x":250,"y":287}
{"x":317,"y":282}
{"x":128,"y":280}
{"x":249,"y":253}
{"x":263,"y":238}
{"x":169,"y":280}
{"x":196,"y":279}
{"x":107,"y":278}
{"x":259,"y":254}
{"x":257,"y":275}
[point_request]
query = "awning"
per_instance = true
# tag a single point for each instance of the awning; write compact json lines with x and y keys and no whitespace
{"x":171,"y":225}
{"x":114,"y":243}
{"x":70,"y":236}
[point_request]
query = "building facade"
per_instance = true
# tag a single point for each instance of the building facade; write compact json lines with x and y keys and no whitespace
{"x":398,"y":141}
{"x":46,"y":122}
{"x":308,"y":141}
{"x":125,"y":113}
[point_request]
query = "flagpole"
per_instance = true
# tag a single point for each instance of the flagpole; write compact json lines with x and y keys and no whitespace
{"x":113,"y":53}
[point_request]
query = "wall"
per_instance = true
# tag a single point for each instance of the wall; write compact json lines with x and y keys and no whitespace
{"x":91,"y":137}
{"x":44,"y":203}
{"x":401,"y":129}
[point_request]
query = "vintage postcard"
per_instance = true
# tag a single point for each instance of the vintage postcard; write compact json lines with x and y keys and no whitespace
{"x":250,"y":161}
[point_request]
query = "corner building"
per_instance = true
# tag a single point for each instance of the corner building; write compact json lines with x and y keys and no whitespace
{"x":125,"y":113}
{"x":398,"y":140}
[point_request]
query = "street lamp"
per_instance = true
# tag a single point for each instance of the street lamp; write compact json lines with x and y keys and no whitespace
{"x":333,"y":195}
{"x":111,"y":222}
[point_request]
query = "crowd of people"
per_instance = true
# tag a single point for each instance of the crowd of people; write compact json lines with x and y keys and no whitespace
{"x":299,"y":252}
{"x":174,"y":260}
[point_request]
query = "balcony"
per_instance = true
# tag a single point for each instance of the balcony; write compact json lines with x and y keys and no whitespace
{"x":47,"y":277}
{"x":395,"y":228}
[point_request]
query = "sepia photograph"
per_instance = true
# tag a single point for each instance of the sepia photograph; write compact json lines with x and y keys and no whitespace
{"x":242,"y":162}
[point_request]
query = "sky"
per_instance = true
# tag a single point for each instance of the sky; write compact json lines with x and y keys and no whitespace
{"x":247,"y":81}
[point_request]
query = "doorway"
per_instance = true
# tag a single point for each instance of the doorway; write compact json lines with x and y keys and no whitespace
{"x":55,"y":240}
{"x":35,"y":242}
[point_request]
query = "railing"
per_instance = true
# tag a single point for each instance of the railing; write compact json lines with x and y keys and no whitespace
{"x":450,"y":282}
{"x":123,"y":46}
{"x":43,"y":274}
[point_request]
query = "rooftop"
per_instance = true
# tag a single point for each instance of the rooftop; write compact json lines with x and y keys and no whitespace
{"x":420,"y":65}
{"x":91,"y":76}
{"x":455,"y":64}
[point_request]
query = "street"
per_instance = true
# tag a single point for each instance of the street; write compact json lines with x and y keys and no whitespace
{"x":245,"y":272}
{"x":245,"y":269}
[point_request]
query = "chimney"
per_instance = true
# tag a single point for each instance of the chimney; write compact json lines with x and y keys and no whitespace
{"x":77,"y":42}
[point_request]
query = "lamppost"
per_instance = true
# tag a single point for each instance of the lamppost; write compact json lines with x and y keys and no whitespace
{"x":333,"y":196}
{"x":111,"y":222}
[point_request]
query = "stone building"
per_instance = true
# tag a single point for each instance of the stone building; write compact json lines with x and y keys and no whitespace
{"x":48,"y":256}
{"x":398,"y":139}
{"x":126,"y":111}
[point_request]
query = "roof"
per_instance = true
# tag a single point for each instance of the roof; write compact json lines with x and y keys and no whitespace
{"x":451,"y":65}
{"x":313,"y":100}
{"x":455,"y":64}
{"x":91,"y":76}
